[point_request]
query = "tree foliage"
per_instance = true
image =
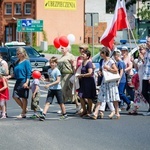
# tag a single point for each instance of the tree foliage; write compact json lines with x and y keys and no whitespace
{"x":144,"y":13}
{"x":131,"y":2}
{"x":110,"y":4}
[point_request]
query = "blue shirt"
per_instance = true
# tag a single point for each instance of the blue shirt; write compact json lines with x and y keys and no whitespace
{"x":121,"y":65}
{"x":53,"y":74}
{"x":22,"y":70}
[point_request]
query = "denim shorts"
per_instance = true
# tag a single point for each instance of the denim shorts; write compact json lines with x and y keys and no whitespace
{"x":52,"y":93}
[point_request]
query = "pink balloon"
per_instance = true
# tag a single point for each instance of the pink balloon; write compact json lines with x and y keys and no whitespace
{"x":36,"y":74}
{"x":56,"y":42}
{"x":63,"y":41}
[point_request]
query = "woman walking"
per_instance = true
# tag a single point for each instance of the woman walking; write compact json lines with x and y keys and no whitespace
{"x":108,"y":91}
{"x":22,"y":74}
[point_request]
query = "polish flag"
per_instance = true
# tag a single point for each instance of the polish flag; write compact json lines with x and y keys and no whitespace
{"x":118,"y":22}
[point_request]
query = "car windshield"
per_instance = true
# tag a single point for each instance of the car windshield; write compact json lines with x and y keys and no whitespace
{"x":30,"y":51}
{"x":96,"y":58}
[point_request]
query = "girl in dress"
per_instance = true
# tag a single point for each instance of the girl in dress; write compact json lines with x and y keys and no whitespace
{"x":4,"y":95}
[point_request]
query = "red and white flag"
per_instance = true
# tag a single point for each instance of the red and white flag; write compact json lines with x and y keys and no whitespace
{"x":118,"y":22}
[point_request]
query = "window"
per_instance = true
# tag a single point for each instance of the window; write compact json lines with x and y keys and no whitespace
{"x":27,"y":8}
{"x":8,"y":9}
{"x":110,"y":6}
{"x":8,"y":34}
{"x":17,"y":8}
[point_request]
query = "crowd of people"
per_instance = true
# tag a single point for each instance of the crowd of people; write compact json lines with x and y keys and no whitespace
{"x":75,"y":80}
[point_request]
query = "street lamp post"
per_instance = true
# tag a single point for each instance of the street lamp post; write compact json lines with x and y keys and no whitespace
{"x":91,"y":20}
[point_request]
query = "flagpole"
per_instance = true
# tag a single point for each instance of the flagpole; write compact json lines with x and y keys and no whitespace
{"x":129,"y":29}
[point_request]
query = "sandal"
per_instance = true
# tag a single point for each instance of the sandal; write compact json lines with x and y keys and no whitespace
{"x":133,"y":112}
{"x":93,"y":116}
{"x":101,"y":115}
{"x":111,"y":115}
{"x":117,"y":116}
{"x":21,"y":116}
{"x":83,"y":114}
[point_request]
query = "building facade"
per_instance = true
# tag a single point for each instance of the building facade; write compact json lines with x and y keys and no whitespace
{"x":10,"y":12}
{"x":59,"y":19}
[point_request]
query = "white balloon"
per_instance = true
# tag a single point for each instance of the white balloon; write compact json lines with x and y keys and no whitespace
{"x":71,"y":38}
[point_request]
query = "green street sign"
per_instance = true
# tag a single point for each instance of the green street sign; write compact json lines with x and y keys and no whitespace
{"x":28,"y":25}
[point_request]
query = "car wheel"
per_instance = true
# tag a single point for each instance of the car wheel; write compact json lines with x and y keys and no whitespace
{"x":11,"y":70}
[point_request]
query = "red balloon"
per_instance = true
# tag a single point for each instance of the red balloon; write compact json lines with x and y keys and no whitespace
{"x":36,"y":74}
{"x":56,"y":42}
{"x":63,"y":41}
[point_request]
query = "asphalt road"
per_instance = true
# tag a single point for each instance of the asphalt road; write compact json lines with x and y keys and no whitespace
{"x":128,"y":133}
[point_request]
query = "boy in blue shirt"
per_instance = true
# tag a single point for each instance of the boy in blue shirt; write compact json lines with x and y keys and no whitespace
{"x":54,"y":89}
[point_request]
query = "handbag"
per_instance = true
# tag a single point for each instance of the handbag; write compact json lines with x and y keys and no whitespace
{"x":109,"y":77}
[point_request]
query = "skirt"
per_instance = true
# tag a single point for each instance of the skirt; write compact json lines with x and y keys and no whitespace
{"x":19,"y":91}
{"x":108,"y":92}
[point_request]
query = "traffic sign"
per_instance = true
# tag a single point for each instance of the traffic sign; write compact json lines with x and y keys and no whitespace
{"x":28,"y":25}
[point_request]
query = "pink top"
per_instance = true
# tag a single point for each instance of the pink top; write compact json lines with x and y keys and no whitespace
{"x":128,"y":63}
{"x":79,"y":61}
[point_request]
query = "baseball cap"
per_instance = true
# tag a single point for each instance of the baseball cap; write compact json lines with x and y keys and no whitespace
{"x":124,"y":48}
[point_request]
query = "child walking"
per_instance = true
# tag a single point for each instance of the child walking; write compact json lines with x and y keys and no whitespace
{"x":35,"y":87}
{"x":4,"y":95}
{"x":54,"y":89}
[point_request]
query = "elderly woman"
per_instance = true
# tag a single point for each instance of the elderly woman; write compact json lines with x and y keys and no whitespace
{"x":66,"y":65}
{"x":108,"y":91}
{"x":146,"y":76}
{"x":22,"y":74}
{"x":138,"y":64}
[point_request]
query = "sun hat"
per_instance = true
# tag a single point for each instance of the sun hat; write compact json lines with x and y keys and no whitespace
{"x":83,"y":46}
{"x":124,"y":48}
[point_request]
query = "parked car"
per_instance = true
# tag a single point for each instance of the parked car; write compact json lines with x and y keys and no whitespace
{"x":38,"y":61}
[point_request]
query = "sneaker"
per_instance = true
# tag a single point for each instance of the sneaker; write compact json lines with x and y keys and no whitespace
{"x":42,"y":117}
{"x":63,"y":117}
{"x":59,"y":112}
{"x":33,"y":116}
{"x":146,"y":114}
{"x":128,"y":107}
{"x":21,"y":116}
{"x":6,"y":115}
{"x":3,"y":117}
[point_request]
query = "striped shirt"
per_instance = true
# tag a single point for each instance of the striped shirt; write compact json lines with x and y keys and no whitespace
{"x":146,"y":66}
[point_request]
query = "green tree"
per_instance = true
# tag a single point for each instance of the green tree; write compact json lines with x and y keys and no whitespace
{"x":144,"y":13}
{"x":131,"y":2}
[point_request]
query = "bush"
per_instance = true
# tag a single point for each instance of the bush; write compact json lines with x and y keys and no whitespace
{"x":74,"y":50}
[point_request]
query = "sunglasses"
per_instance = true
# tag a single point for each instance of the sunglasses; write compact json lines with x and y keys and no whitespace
{"x":18,"y":53}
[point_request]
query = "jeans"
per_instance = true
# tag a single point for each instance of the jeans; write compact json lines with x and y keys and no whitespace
{"x":121,"y":89}
{"x":130,"y":91}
